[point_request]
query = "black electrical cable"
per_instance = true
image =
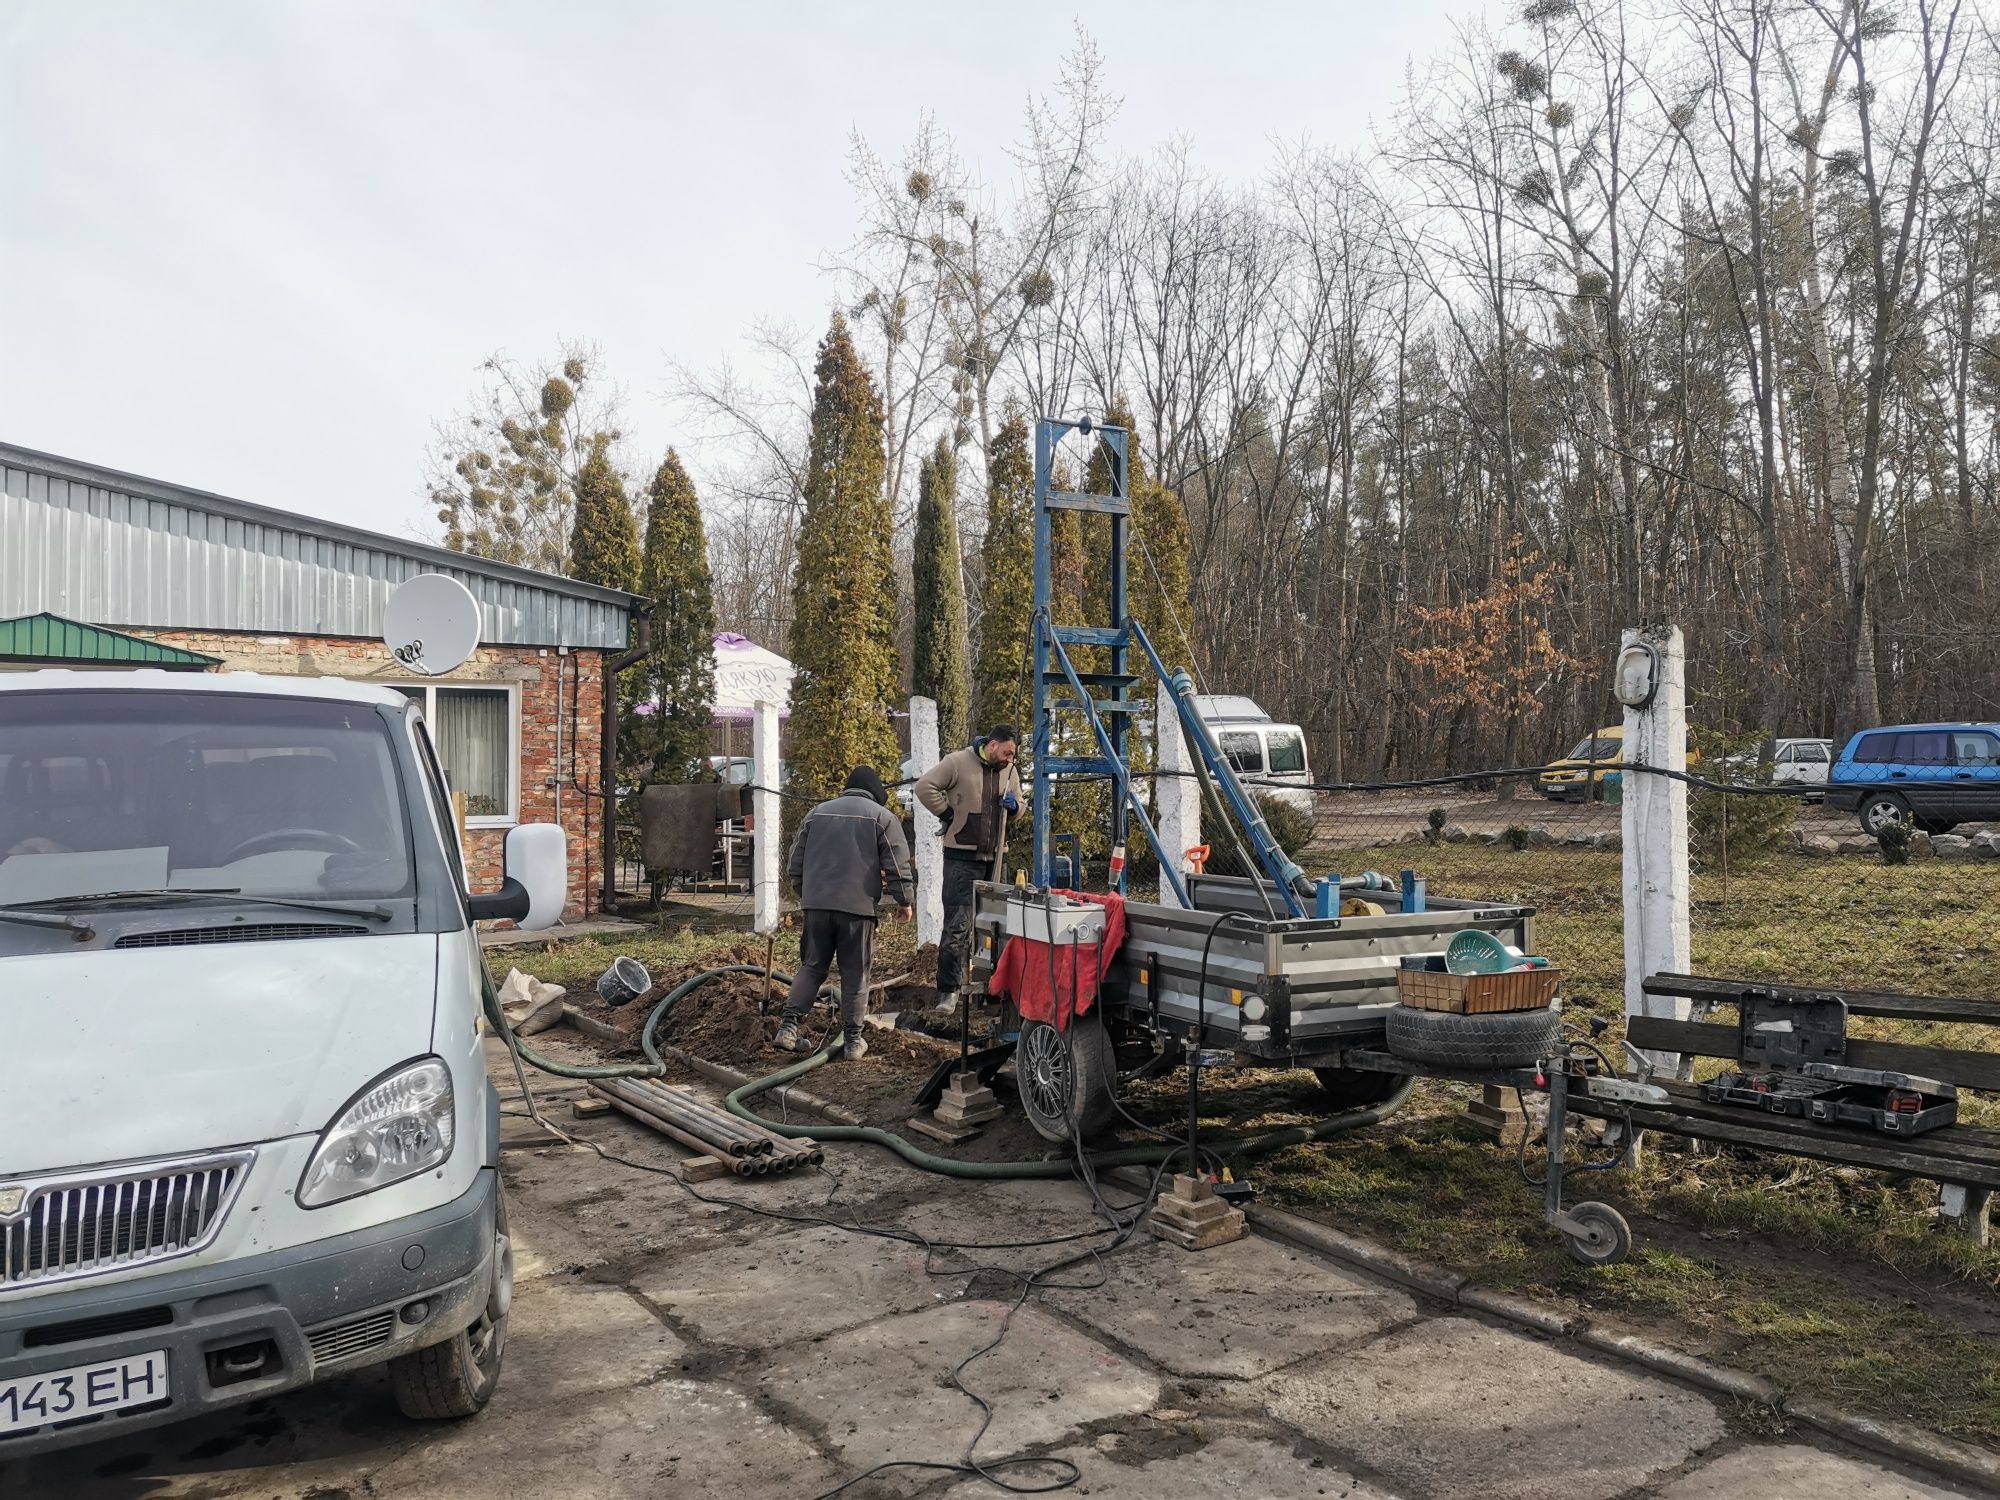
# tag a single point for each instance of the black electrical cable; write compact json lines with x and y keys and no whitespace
{"x":1201,"y":1031}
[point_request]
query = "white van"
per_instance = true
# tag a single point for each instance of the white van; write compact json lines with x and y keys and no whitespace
{"x":247,"y":1139}
{"x":1269,"y":756}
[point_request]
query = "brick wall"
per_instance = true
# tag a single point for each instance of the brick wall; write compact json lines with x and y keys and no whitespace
{"x":560,"y":704}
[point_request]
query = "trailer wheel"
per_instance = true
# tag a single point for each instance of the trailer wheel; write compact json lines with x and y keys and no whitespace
{"x":1503,"y":1039}
{"x":1066,"y":1080}
{"x":1607,"y":1238}
{"x":1356,"y":1088}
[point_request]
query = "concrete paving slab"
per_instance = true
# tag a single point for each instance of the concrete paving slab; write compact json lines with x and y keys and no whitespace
{"x":1791,"y":1469}
{"x":785,"y":1287}
{"x":1230,"y":1468}
{"x":573,"y":1214}
{"x":1239,"y":1311}
{"x":571,"y":1347}
{"x":1011,"y":1211}
{"x":1453,"y":1407}
{"x":569,"y":1341}
{"x":883,"y":1391}
{"x":674,"y":1437}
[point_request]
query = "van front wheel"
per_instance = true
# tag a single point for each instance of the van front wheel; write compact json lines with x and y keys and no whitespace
{"x":457,"y":1378}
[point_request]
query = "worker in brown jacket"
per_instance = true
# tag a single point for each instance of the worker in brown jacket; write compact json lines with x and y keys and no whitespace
{"x":973,"y":792}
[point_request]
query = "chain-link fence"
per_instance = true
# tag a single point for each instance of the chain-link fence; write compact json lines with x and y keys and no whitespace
{"x":1782,"y":887}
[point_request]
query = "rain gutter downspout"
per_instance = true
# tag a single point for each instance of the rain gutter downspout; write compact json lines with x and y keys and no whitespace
{"x":608,"y":896}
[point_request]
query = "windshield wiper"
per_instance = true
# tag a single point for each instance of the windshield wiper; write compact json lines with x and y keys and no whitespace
{"x":211,"y":893}
{"x":82,"y":931}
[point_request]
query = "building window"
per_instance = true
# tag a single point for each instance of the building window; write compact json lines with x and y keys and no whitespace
{"x":475,"y":730}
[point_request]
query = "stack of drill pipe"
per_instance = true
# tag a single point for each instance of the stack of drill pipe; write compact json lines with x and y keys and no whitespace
{"x":749,"y":1150}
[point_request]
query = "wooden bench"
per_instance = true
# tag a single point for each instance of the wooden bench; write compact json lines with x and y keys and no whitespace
{"x":1963,"y":1159}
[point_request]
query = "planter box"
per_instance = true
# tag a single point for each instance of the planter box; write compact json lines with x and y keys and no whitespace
{"x":1473,"y":994}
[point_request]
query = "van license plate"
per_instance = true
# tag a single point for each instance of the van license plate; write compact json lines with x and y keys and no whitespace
{"x":83,"y":1391}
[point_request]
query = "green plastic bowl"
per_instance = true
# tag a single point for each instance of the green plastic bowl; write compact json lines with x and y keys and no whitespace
{"x":1475,"y":952}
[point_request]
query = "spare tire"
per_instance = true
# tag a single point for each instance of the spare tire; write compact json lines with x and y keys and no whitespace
{"x":1501,"y":1039}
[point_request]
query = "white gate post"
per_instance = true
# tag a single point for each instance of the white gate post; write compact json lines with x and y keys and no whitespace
{"x":1655,"y":832}
{"x":767,"y":832}
{"x":929,"y":853}
{"x":1176,"y":792}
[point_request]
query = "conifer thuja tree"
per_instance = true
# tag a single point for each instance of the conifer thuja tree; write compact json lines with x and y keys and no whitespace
{"x":1007,"y":572}
{"x":939,"y":668}
{"x":679,"y":674}
{"x":604,"y":542}
{"x":843,"y":637}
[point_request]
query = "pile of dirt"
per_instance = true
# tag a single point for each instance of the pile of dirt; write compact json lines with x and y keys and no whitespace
{"x":721,"y":1021}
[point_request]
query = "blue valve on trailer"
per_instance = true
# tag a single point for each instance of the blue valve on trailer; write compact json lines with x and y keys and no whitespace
{"x":1326,"y":895}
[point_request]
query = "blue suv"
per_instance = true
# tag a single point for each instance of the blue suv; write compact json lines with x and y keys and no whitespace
{"x":1933,"y":776}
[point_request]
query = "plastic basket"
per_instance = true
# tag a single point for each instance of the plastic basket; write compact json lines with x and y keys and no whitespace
{"x":1474,"y":994}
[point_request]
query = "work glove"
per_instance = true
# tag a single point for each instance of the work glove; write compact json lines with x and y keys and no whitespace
{"x":1011,"y":803}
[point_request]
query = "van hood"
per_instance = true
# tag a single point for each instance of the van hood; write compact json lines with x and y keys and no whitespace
{"x":112,"y":1055}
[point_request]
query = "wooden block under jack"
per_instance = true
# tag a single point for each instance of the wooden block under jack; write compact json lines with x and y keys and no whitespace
{"x":951,"y":1135}
{"x":1497,"y":1113}
{"x":1191,"y":1216}
{"x":966,"y":1101}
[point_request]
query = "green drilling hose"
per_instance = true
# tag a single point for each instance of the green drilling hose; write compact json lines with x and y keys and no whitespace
{"x":735,"y":1103}
{"x":1127,"y":1156}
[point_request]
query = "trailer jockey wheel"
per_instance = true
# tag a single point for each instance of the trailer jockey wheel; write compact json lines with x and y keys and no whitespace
{"x":1066,"y":1079}
{"x":1606,"y":1238}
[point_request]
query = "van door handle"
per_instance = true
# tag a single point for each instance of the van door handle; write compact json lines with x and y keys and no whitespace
{"x":1899,"y":775}
{"x":1963,"y":776}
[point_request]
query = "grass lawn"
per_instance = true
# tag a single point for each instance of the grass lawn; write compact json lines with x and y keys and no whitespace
{"x":1926,"y":928}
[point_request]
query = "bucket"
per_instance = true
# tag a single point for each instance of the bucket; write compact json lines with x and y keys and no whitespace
{"x":625,"y":981}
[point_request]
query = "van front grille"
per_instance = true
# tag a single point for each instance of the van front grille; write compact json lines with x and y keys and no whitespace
{"x":92,"y":1223}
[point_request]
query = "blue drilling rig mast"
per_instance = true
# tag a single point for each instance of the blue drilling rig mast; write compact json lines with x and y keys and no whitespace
{"x":1104,"y":698}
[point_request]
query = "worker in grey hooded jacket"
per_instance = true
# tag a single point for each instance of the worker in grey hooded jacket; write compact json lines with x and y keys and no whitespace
{"x":846,"y":849}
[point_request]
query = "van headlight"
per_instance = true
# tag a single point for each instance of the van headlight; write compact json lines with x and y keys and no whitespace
{"x":398,"y":1126}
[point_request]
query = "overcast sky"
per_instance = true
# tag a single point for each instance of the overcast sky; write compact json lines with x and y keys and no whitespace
{"x":259,"y":246}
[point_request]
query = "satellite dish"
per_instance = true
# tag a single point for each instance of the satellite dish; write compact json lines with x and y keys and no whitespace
{"x":432,"y":624}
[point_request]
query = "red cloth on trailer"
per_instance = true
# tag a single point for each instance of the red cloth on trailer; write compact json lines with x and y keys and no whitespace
{"x":1022,"y":975}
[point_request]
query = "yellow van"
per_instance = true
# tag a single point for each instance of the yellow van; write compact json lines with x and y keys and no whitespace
{"x":1570,"y":779}
{"x":1594,"y":759}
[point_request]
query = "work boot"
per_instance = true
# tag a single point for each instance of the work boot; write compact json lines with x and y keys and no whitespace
{"x":947,"y":1003}
{"x":854,"y":1048}
{"x":791,"y":1039}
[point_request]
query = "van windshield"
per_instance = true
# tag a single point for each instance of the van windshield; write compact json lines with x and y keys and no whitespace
{"x":140,"y":791}
{"x":1594,"y":747}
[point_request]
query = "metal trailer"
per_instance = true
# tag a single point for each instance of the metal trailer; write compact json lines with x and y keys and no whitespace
{"x":1276,"y":992}
{"x":1262,"y":992}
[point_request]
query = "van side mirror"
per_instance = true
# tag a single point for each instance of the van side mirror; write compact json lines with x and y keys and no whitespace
{"x":535,"y":866}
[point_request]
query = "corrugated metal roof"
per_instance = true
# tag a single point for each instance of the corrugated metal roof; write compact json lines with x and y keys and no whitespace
{"x":50,"y":638}
{"x":116,"y":549}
